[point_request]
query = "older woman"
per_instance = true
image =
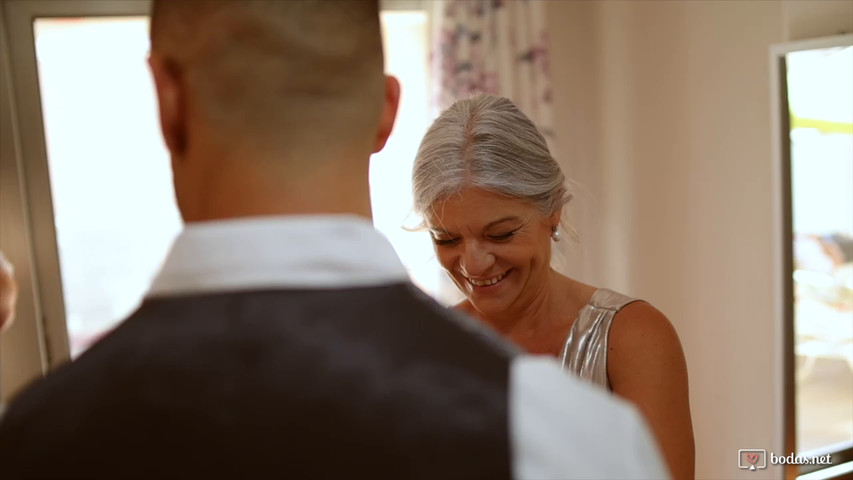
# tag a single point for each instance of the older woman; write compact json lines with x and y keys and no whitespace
{"x":492,"y":197}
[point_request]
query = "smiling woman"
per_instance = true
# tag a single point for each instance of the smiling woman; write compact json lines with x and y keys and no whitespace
{"x":496,"y":249}
{"x":492,"y":197}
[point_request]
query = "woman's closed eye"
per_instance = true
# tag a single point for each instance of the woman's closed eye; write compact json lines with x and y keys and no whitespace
{"x":502,"y":237}
{"x":444,"y":241}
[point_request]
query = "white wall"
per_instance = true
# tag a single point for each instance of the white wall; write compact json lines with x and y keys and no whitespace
{"x":663,"y":113}
{"x":811,"y":19}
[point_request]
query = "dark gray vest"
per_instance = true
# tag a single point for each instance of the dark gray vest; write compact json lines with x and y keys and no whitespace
{"x":375,"y":382}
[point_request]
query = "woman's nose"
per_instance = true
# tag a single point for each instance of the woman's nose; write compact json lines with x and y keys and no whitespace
{"x":476,"y":261}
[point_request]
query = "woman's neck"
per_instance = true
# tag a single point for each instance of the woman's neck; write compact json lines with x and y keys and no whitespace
{"x":527,"y":314}
{"x":540,"y":324}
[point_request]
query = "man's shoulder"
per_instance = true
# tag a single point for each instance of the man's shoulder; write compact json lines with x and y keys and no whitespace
{"x":40,"y":403}
{"x":563,"y":424}
{"x":333,"y":369}
{"x":397,"y":311}
{"x":201,"y":338}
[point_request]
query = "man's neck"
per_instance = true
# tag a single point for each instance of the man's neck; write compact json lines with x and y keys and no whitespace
{"x":258,"y":188}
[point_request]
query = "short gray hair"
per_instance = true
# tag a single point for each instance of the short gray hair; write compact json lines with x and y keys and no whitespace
{"x":486,"y":142}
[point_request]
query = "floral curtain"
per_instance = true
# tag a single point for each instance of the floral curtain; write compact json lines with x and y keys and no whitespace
{"x":492,"y":46}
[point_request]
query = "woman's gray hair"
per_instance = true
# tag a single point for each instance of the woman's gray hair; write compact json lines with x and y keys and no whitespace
{"x":486,"y":142}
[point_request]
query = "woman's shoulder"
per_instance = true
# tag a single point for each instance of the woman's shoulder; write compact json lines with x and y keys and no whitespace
{"x":639,"y":317}
{"x":642,"y":335}
{"x":610,"y":299}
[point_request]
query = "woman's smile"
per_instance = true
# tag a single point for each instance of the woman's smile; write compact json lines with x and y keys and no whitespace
{"x":486,"y":284}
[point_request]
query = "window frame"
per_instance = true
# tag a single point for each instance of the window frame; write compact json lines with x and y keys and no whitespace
{"x":48,"y":348}
{"x":784,"y":259}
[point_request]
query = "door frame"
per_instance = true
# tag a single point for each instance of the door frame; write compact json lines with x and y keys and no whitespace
{"x":39,"y":335}
{"x":783,"y":248}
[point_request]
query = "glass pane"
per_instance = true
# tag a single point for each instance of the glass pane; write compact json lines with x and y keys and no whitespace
{"x":821,"y":112}
{"x":114,"y":206}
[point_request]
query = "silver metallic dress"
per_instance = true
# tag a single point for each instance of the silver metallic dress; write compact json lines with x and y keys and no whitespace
{"x":585,"y":351}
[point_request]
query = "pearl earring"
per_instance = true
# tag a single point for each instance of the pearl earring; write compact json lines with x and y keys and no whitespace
{"x":555,"y":234}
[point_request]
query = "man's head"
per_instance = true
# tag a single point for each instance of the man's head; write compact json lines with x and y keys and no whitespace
{"x":283,"y":87}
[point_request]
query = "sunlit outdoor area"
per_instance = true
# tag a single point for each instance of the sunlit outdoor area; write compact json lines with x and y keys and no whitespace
{"x":821,"y":112}
{"x":115,"y":212}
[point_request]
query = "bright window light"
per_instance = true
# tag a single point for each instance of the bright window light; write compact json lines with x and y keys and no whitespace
{"x":111,"y":183}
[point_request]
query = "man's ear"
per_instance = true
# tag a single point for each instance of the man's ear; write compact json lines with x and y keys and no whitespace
{"x":172,"y":102}
{"x":389,"y":112}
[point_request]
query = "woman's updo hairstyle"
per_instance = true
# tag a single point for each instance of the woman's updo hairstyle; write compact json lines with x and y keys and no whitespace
{"x":486,"y":142}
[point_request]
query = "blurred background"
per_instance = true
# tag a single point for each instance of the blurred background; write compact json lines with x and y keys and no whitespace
{"x":710,"y":144}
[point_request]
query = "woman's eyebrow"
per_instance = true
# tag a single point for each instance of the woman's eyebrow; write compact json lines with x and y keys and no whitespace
{"x":501,"y":220}
{"x":440,"y":231}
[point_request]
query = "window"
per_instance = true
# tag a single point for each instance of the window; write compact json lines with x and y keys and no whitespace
{"x":818,"y":173}
{"x":114,"y":209}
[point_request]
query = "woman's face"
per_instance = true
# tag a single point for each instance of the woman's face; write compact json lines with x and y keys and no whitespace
{"x":496,"y":249}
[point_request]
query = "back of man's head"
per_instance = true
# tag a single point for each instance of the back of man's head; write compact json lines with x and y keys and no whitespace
{"x":301,"y":81}
{"x":256,"y":66}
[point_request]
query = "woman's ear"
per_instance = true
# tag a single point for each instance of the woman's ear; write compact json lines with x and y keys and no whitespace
{"x":171,"y":102}
{"x":555,"y":217}
{"x":389,"y":112}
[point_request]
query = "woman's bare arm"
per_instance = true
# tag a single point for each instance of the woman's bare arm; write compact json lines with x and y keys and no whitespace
{"x":646,"y":366}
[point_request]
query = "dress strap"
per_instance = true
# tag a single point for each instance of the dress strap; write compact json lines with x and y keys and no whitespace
{"x":585,"y":350}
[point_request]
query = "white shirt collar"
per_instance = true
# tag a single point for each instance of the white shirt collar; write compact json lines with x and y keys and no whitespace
{"x":322,"y":251}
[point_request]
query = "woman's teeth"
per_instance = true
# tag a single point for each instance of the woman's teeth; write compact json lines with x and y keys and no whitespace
{"x":487,"y":282}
